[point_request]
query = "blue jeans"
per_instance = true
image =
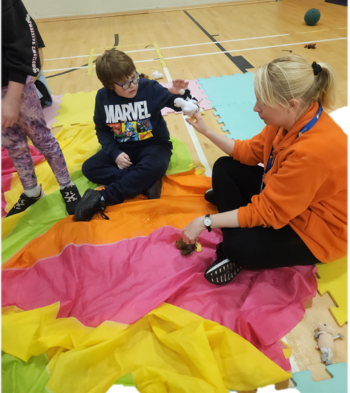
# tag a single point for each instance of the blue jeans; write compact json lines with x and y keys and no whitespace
{"x":150,"y":163}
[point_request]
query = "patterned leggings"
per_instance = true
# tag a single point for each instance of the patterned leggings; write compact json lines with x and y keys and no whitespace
{"x":31,"y":123}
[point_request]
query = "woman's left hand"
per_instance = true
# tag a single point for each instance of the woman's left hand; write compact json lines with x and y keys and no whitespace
{"x":178,"y":84}
{"x":191,"y":231}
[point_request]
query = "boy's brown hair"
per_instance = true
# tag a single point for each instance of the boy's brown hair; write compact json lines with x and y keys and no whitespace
{"x":114,"y":66}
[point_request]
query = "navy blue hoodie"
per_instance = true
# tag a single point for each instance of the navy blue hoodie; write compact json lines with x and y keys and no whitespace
{"x":20,"y":43}
{"x":133,"y":121}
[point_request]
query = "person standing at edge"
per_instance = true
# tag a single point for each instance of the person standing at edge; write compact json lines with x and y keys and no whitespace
{"x":21,"y":111}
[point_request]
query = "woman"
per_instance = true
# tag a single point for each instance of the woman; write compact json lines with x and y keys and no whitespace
{"x":294,"y":210}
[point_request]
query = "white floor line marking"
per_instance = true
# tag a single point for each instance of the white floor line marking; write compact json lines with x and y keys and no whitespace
{"x":179,"y":46}
{"x":99,"y":54}
{"x":247,"y":49}
{"x":69,"y":57}
{"x":167,"y":74}
{"x":220,"y":42}
{"x":73,"y":68}
{"x":191,"y":131}
{"x":213,"y":53}
{"x":202,"y":43}
{"x":198,"y":147}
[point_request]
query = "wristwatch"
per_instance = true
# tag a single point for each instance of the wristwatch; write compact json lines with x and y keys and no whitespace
{"x":207,"y":222}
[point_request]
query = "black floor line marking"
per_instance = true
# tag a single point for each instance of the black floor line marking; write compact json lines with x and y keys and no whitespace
{"x":239,"y":61}
{"x":116,"y":43}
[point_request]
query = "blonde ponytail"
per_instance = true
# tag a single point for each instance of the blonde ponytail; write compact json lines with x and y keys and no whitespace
{"x":293,"y":77}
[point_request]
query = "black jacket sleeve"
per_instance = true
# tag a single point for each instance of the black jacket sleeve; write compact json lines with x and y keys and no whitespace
{"x":104,"y":135}
{"x":20,"y":56}
{"x":163,"y":97}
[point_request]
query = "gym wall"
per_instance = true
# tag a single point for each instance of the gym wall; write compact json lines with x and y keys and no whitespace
{"x":39,"y":9}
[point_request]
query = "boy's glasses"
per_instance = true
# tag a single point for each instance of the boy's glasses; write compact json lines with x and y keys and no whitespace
{"x":126,"y":85}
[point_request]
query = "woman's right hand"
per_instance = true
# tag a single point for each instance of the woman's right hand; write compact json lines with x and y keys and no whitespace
{"x":199,"y":124}
{"x":123,"y":161}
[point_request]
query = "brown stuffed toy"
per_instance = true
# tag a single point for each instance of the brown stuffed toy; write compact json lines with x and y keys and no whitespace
{"x":186,"y":249}
{"x":310,"y":46}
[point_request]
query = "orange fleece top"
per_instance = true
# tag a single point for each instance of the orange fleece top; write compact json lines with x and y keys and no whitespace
{"x":307,"y":185}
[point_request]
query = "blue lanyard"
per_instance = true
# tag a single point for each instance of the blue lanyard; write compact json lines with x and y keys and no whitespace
{"x":306,"y":128}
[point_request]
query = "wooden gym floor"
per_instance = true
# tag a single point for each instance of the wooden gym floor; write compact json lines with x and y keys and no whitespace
{"x":189,"y":34}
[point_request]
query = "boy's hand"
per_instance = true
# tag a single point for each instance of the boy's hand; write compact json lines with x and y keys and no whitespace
{"x":178,"y":84}
{"x":9,"y":111}
{"x":123,"y":161}
{"x":199,"y":124}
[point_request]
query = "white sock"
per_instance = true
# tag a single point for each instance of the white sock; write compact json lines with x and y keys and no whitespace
{"x":68,"y":185}
{"x":34,"y":192}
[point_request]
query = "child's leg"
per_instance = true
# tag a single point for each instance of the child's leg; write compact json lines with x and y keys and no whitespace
{"x":149,"y":166}
{"x":15,"y":141}
{"x":101,"y":169}
{"x":32,"y":122}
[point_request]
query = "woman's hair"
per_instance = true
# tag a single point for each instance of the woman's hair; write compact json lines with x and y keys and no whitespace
{"x":293,"y":77}
{"x":114,"y":66}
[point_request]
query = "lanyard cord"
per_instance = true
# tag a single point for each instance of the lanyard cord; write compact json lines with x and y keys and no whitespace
{"x":306,"y":128}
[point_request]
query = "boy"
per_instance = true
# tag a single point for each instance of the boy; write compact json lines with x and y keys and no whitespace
{"x":136,"y":149}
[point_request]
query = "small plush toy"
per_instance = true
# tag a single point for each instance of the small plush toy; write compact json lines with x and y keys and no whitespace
{"x":157,"y":75}
{"x":188,"y":107}
{"x":188,"y":103}
{"x":310,"y":46}
{"x":325,"y":337}
{"x":186,"y":249}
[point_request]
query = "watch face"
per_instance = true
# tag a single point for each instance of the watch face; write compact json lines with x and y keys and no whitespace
{"x":207,"y":221}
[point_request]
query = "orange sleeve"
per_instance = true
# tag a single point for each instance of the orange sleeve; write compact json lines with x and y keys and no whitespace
{"x":250,"y":151}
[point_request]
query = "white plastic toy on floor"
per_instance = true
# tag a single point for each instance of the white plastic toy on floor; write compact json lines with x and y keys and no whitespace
{"x":157,"y":75}
{"x":325,"y":336}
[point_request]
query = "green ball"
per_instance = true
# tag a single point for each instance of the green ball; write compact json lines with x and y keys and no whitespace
{"x":312,"y":16}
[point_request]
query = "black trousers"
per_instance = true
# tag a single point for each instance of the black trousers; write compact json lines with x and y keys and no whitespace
{"x":234,"y":184}
{"x":150,"y":163}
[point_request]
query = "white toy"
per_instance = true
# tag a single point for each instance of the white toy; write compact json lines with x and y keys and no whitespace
{"x":325,"y":337}
{"x":188,"y":107}
{"x":157,"y":75}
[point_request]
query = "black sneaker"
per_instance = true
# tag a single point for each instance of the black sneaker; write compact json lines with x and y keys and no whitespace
{"x":71,"y":197}
{"x":155,"y":191}
{"x":91,"y":203}
{"x":24,"y":202}
{"x":222,"y":271}
{"x":209,"y":196}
